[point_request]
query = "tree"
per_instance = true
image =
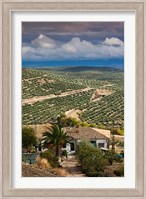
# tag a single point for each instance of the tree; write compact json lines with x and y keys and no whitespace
{"x":56,"y":137}
{"x":29,"y":138}
{"x":112,"y":157}
{"x":113,"y":142}
{"x":63,"y":121}
{"x":92,"y":161}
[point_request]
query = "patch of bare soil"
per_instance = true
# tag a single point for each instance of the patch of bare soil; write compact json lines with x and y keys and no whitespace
{"x":71,"y":166}
{"x":43,"y":81}
{"x":39,"y":80}
{"x":119,"y":137}
{"x":32,"y":170}
{"x":41,"y":98}
{"x":28,"y":79}
{"x":99,"y":93}
{"x":73,"y":113}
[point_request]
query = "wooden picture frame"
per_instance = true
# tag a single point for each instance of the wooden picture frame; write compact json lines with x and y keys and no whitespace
{"x":6,"y":6}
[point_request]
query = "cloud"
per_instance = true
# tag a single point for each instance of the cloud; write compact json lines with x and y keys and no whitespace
{"x":65,"y":31}
{"x":43,"y":42}
{"x":72,"y":27}
{"x":46,"y":48}
{"x":113,"y":42}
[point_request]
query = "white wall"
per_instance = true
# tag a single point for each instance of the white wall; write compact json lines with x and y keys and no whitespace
{"x":68,"y":147}
{"x":102,"y":141}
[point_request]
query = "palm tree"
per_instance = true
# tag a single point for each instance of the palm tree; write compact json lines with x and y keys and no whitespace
{"x":57,"y":137}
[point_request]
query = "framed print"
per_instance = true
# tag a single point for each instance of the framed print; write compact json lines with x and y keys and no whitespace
{"x":72,"y":99}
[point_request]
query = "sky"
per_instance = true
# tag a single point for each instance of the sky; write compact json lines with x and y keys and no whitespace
{"x":73,"y":43}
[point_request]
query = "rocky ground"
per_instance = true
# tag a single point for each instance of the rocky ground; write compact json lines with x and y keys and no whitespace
{"x":32,"y":170}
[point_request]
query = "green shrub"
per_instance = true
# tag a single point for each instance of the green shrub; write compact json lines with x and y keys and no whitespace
{"x":120,"y":144}
{"x":91,"y":159}
{"x":117,"y":131}
{"x":24,"y":159}
{"x":93,"y":125}
{"x":29,"y":138}
{"x":64,"y":153}
{"x":111,"y":156}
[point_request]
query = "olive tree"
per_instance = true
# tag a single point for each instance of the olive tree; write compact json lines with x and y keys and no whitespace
{"x":29,"y":138}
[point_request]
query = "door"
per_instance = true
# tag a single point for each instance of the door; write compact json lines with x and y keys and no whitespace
{"x":72,"y":146}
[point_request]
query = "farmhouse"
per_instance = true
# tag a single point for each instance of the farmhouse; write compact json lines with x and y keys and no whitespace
{"x":98,"y":137}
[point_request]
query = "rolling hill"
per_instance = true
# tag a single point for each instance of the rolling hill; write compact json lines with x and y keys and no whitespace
{"x":47,"y":93}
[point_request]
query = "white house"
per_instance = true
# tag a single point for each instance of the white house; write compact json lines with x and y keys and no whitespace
{"x":98,"y":137}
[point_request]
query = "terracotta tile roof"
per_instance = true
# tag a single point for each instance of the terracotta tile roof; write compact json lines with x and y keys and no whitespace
{"x":84,"y":133}
{"x":104,"y":132}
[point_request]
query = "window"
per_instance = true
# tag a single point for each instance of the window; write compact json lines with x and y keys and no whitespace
{"x":93,"y":143}
{"x":100,"y":145}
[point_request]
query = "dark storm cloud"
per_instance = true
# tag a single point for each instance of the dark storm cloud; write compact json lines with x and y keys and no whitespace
{"x":64,"y":31}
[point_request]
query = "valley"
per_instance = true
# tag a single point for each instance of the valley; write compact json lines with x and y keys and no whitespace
{"x":93,"y":95}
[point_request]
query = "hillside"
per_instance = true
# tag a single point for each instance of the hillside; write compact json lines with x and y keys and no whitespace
{"x":88,"y":68}
{"x":97,"y":95}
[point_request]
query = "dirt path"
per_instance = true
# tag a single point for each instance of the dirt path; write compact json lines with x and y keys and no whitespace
{"x":70,"y":165}
{"x":28,"y":79}
{"x":73,"y":113}
{"x":41,"y":98}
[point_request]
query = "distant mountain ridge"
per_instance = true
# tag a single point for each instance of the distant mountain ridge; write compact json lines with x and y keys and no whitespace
{"x":87,"y":68}
{"x":78,"y":68}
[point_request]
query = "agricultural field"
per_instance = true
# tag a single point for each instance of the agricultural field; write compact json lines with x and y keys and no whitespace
{"x":48,"y":92}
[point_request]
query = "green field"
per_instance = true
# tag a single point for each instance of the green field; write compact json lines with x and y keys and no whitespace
{"x":108,"y":111}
